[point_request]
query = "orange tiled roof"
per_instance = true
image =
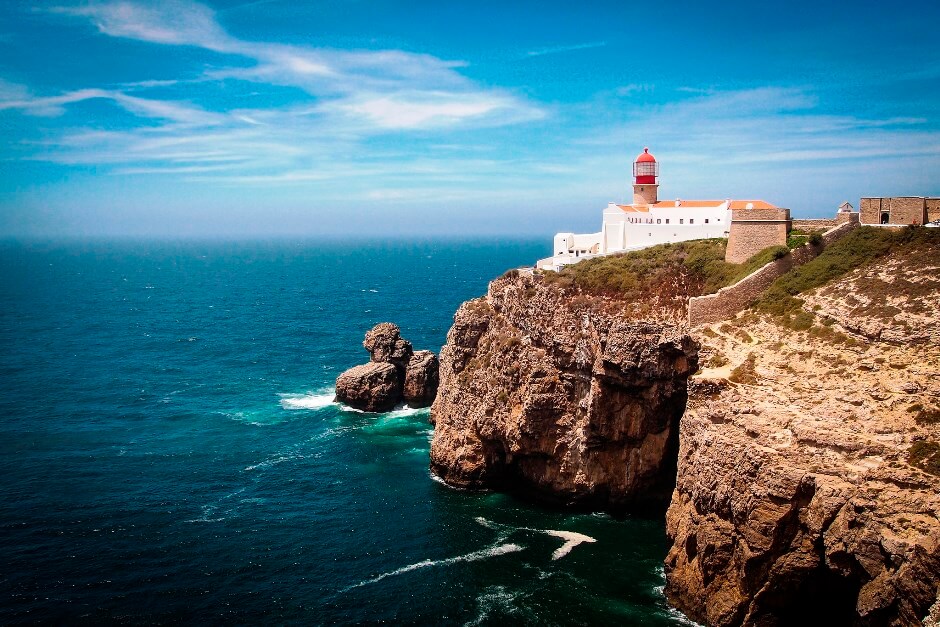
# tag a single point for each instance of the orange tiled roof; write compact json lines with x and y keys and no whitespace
{"x":691,"y":204}
{"x":663,"y":204}
{"x":758,"y":204}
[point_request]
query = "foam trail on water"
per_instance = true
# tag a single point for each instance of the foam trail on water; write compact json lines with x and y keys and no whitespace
{"x":571,"y":539}
{"x":317,"y":400}
{"x":492,"y":551}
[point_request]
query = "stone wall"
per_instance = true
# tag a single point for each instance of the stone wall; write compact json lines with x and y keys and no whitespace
{"x":908,"y":210}
{"x":821,"y":224}
{"x":728,"y":301}
{"x":933,"y":209}
{"x":870,"y":210}
{"x":900,"y":209}
{"x":753,"y":230}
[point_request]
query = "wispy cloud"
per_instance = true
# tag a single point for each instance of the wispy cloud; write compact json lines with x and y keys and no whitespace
{"x":19,"y":97}
{"x":420,"y":90}
{"x":541,"y":52}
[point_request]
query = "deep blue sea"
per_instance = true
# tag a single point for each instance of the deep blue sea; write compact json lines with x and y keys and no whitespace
{"x":170,"y":451}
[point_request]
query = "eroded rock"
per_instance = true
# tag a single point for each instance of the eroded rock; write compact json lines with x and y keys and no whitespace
{"x":370,"y":387}
{"x":421,"y":379}
{"x":394,"y":374}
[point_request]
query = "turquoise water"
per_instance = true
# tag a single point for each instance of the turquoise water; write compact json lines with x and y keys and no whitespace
{"x":171,"y":452}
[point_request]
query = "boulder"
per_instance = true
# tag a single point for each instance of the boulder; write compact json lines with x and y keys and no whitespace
{"x":421,"y":379}
{"x":384,"y":343}
{"x":370,"y":387}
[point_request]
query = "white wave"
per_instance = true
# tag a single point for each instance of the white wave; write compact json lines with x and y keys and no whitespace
{"x":274,"y":461}
{"x":571,"y":539}
{"x":493,"y":551}
{"x":400,"y":411}
{"x":317,"y":400}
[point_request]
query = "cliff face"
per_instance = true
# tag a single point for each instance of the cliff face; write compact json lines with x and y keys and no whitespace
{"x":805,"y":487}
{"x":560,"y":396}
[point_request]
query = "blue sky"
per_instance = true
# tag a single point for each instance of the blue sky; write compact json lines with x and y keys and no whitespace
{"x":279,"y":118}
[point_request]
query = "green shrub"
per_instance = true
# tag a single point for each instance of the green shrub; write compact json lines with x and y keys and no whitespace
{"x":925,"y":415}
{"x":717,"y":361}
{"x":926,"y":456}
{"x":745,"y":372}
{"x":816,"y":239}
{"x":795,"y":241}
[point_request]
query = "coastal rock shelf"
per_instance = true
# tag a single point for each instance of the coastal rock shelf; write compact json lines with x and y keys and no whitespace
{"x":394,"y":374}
{"x":808,"y":488}
{"x":564,"y":401}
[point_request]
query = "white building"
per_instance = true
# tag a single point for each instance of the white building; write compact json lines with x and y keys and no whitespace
{"x":648,"y":221}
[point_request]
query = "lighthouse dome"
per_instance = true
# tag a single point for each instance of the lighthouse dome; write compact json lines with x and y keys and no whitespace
{"x":645,"y":156}
{"x":645,"y":168}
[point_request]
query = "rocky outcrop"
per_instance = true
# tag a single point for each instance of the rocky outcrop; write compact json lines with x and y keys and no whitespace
{"x":370,"y":387}
{"x":421,"y":379}
{"x":394,"y":374}
{"x":560,"y":396}
{"x":800,"y":494}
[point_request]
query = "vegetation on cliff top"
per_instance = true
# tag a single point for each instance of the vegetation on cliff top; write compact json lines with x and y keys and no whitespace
{"x":860,"y":247}
{"x":668,"y":271}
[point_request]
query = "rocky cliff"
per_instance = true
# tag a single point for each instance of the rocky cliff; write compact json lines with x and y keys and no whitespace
{"x":807,"y":485}
{"x":561,"y":396}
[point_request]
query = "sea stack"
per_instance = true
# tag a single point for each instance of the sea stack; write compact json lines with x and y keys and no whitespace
{"x":395,"y":374}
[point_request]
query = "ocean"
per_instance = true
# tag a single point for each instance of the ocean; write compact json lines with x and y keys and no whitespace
{"x":171,"y":450}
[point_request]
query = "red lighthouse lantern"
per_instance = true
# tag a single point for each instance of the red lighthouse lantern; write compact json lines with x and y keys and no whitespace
{"x":645,"y":168}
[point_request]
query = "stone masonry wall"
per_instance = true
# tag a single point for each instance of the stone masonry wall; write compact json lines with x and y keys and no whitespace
{"x":933,"y":209}
{"x":814,"y":224}
{"x":907,"y":210}
{"x":728,"y":301}
{"x":870,"y":210}
{"x":753,"y":230}
{"x":901,"y":209}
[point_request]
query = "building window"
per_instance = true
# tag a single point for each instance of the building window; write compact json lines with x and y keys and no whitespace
{"x":667,"y":220}
{"x":691,"y":220}
{"x":658,"y":221}
{"x":706,"y":220}
{"x":681,"y":221}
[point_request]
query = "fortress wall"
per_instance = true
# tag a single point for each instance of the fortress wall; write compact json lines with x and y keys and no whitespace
{"x":814,"y":224}
{"x":907,"y":210}
{"x":753,"y":230}
{"x":728,"y":301}
{"x":901,"y":209}
{"x":870,"y":210}
{"x":933,"y":209}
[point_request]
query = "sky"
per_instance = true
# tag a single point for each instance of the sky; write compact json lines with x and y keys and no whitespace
{"x":276,"y":118}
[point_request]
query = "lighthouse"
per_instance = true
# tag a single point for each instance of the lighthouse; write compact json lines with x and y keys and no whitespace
{"x":645,"y":179}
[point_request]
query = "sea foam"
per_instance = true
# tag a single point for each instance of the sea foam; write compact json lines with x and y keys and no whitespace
{"x":314,"y":401}
{"x":571,"y":539}
{"x":475,"y":556}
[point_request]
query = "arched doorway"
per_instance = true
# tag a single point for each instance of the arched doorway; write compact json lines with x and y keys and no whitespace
{"x":884,"y":217}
